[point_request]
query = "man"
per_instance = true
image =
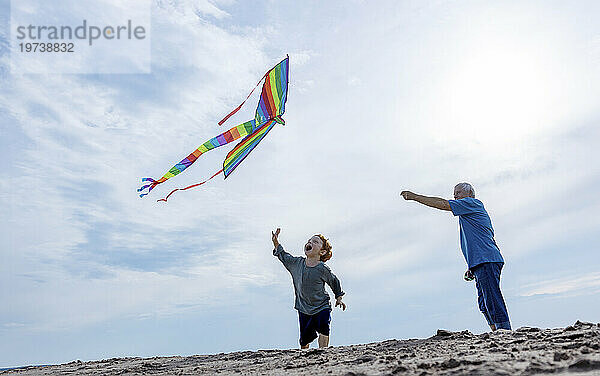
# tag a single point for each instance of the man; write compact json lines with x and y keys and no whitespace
{"x":483,"y":256}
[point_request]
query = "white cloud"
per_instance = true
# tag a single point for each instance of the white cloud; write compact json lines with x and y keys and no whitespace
{"x":587,"y":284}
{"x":125,"y":293}
{"x":301,"y":57}
{"x":354,"y":81}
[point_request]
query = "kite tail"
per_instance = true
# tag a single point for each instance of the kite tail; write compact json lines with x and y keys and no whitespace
{"x":150,"y":186}
{"x":224,"y":138}
{"x":188,"y":187}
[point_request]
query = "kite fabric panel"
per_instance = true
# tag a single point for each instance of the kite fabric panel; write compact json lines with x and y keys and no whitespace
{"x":271,"y":107}
{"x":241,"y":150}
{"x":274,"y":94}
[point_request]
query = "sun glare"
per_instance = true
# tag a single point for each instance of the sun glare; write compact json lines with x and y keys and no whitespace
{"x":498,"y":97}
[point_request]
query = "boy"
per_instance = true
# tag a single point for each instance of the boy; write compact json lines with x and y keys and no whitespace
{"x":309,"y":275}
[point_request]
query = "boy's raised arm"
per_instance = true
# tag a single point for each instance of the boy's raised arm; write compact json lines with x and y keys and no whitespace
{"x":281,"y":254}
{"x":275,"y":235}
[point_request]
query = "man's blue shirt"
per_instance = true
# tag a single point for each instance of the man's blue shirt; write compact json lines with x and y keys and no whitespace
{"x":476,"y":232}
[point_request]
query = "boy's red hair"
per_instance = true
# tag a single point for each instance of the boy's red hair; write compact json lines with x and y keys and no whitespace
{"x":326,"y":247}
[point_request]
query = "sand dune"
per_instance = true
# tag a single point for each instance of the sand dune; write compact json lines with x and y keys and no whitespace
{"x":526,"y":351}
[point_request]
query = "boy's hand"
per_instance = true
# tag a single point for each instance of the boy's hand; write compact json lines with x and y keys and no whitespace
{"x":407,"y":195}
{"x":339,"y":303}
{"x":275,"y":235}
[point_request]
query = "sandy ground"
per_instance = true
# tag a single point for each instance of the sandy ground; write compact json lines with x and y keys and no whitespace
{"x":526,"y":351}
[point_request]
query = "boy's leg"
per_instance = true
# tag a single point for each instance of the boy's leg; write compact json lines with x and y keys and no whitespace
{"x":488,"y":277}
{"x":308,"y":331}
{"x":323,"y":340}
{"x":323,"y":319}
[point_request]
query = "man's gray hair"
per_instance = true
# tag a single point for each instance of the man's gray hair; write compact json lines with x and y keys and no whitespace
{"x":467,"y":188}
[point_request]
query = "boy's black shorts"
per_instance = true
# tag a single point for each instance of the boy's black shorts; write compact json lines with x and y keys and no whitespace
{"x":311,"y":324}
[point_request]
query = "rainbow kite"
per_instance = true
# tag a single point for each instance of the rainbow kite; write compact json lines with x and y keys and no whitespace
{"x":268,"y":113}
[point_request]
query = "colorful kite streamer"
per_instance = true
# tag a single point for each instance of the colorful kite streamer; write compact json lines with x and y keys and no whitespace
{"x":271,"y":107}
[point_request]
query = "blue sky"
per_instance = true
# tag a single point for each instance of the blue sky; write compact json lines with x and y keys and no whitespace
{"x":383,"y":96}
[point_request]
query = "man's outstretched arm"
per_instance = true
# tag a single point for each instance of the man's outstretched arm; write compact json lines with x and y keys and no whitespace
{"x":434,"y":202}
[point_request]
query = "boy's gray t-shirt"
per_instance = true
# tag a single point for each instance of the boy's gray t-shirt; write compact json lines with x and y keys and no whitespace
{"x":309,"y":282}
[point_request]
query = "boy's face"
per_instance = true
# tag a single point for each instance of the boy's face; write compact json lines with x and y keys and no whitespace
{"x":314,"y":247}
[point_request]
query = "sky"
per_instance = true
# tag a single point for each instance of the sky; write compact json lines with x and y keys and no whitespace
{"x":384,"y":96}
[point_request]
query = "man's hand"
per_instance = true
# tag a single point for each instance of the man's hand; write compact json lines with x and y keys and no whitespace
{"x":275,"y":235}
{"x":469,"y":276}
{"x":339,"y":303}
{"x":408,"y":195}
